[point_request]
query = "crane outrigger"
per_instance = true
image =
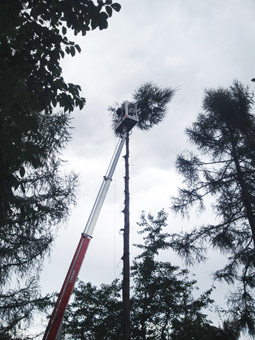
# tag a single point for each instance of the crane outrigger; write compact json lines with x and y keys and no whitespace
{"x":126,"y":120}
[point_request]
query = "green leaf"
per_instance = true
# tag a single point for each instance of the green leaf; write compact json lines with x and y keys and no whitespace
{"x":116,"y":6}
{"x":94,"y":23}
{"x":36,"y":162}
{"x":72,"y":49}
{"x":78,"y":48}
{"x":81,"y":106}
{"x":64,"y":30}
{"x":103,"y":21}
{"x":22,"y":171}
{"x":22,"y":188}
{"x":108,"y":10}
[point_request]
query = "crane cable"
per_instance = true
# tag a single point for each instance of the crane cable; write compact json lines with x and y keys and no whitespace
{"x":114,"y":219}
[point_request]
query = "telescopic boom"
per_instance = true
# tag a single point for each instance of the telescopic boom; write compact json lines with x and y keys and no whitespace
{"x":53,"y":330}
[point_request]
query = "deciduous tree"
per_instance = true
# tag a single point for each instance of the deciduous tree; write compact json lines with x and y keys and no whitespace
{"x":33,"y":40}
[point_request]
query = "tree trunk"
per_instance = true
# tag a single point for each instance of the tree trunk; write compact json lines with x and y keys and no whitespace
{"x":126,"y":261}
{"x":247,"y":200}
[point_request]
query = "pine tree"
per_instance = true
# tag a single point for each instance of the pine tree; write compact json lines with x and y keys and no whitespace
{"x":162,"y":302}
{"x":95,"y":313}
{"x":30,"y":213}
{"x":224,"y":135}
{"x":163,"y":305}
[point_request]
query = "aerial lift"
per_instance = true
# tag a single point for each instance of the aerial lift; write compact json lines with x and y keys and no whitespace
{"x":126,"y":119}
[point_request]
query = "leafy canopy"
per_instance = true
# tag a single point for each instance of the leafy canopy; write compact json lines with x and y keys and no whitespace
{"x":33,"y":38}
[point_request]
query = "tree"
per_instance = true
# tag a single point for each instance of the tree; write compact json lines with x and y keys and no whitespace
{"x":229,"y":331}
{"x":33,"y":39}
{"x":40,"y":201}
{"x":151,"y":102}
{"x":224,"y":135}
{"x":162,"y":306}
{"x":95,"y":312}
{"x":34,"y":194}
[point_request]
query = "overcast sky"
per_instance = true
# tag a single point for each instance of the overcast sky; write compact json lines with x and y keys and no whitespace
{"x":184,"y":44}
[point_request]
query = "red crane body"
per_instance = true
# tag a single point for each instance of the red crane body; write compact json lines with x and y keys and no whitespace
{"x":53,"y":331}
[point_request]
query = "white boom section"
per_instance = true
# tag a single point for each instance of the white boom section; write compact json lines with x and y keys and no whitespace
{"x":89,"y":228}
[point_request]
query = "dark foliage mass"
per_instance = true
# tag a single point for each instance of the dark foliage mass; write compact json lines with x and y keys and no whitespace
{"x":162,"y":303}
{"x":95,"y":312}
{"x":35,"y":195}
{"x":151,"y":101}
{"x":39,"y":201}
{"x":224,"y":135}
{"x":33,"y":39}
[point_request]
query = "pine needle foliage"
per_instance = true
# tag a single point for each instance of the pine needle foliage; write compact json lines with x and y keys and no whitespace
{"x":224,"y":171}
{"x":162,"y":302}
{"x":151,"y":101}
{"x":33,"y":202}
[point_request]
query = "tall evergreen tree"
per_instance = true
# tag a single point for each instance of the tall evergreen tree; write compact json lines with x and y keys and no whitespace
{"x":224,"y":135}
{"x":95,"y":312}
{"x":39,"y":201}
{"x":162,"y":305}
